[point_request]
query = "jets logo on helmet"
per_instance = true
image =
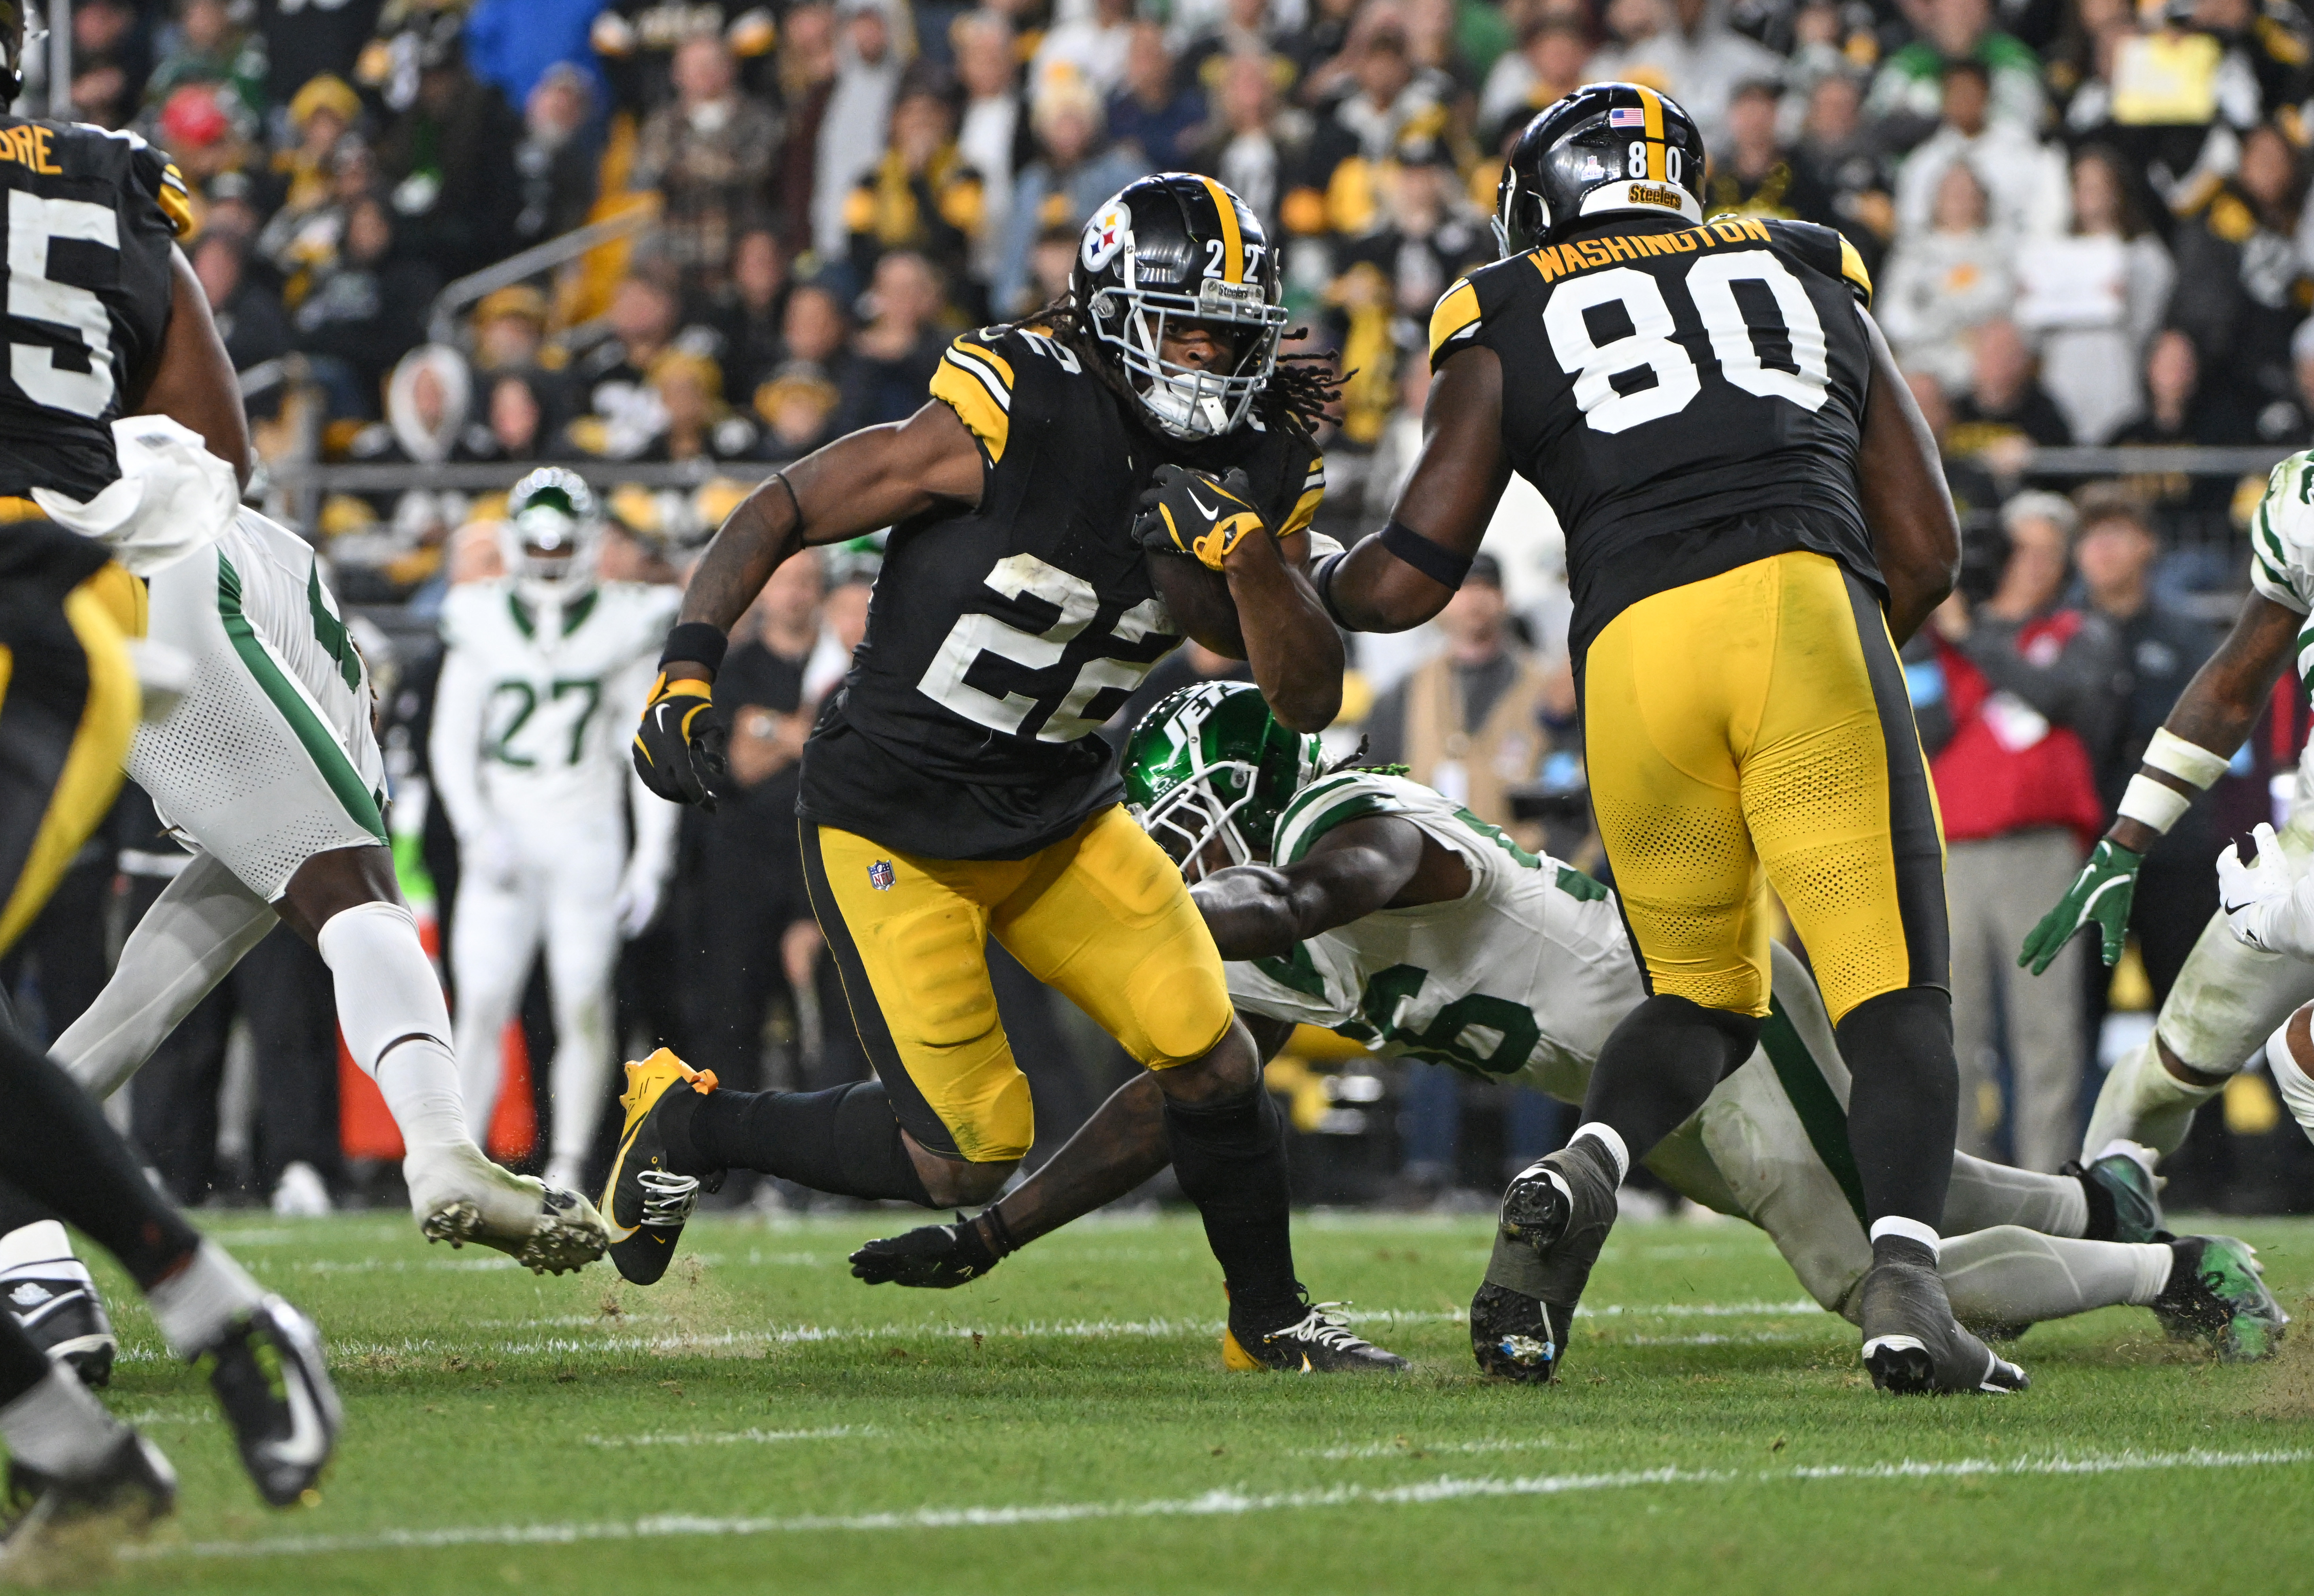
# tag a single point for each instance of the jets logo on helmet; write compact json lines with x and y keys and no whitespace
{"x":1606,"y":147}
{"x":1174,"y":249}
{"x":553,"y":537}
{"x":1208,"y":764}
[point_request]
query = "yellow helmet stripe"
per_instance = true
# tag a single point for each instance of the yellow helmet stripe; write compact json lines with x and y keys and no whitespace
{"x":1232,"y":242}
{"x":1651,"y":104}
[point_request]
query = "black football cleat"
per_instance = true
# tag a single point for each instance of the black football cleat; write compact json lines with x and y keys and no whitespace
{"x":277,"y":1396}
{"x":58,"y":1527}
{"x":1555,"y":1217}
{"x":1312,"y":1341}
{"x":56,"y":1304}
{"x":2216,"y":1296}
{"x":645,"y":1204}
{"x":1913,"y":1346}
{"x":1515,"y":1336}
{"x":938,"y":1258}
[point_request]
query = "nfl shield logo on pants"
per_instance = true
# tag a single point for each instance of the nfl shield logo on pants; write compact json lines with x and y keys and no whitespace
{"x":880,"y":876}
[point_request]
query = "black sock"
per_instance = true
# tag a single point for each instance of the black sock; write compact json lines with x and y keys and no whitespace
{"x":1660,"y":1063}
{"x":57,"y":1149}
{"x":2104,"y":1218}
{"x":843,"y":1141}
{"x":1904,"y":1102}
{"x":17,"y":1209}
{"x":1230,"y":1157}
{"x":23,"y":1363}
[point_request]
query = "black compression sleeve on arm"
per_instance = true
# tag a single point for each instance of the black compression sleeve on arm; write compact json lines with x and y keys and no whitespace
{"x":1442,"y":566}
{"x":843,"y":1141}
{"x":696,"y":640}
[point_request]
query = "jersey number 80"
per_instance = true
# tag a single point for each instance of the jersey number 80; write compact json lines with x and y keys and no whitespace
{"x":1711,"y":286}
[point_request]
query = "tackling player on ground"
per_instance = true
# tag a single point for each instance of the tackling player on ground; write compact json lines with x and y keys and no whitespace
{"x":2240,"y":984}
{"x":954,"y":790}
{"x":1752,"y":506}
{"x":1369,"y":904}
{"x":105,"y":316}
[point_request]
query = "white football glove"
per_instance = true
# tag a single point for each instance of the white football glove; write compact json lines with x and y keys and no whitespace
{"x":2265,"y":902}
{"x":637,"y":905}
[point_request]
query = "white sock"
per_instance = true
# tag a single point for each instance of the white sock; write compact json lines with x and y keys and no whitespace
{"x":1609,"y":1138}
{"x":1985,"y":1193}
{"x":58,"y":1428}
{"x":1909,"y":1230}
{"x":397,"y":1025}
{"x":195,"y":932}
{"x":2010,"y":1275}
{"x":2290,"y":1077}
{"x":195,"y":1305}
{"x":41,"y":1247}
{"x":2141,"y":1101}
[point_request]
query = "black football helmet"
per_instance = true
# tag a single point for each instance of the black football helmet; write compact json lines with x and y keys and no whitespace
{"x":12,"y":51}
{"x":1180,"y":246}
{"x":1606,"y":148}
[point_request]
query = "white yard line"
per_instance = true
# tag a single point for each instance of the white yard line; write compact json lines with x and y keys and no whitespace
{"x":1217,"y":1504}
{"x":1418,"y":1448}
{"x":734,"y":1437}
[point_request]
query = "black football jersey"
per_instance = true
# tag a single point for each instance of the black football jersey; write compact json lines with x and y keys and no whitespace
{"x":1001,"y":637}
{"x":1687,"y":398}
{"x":91,"y":218}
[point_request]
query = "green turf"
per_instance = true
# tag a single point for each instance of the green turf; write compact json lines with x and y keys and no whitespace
{"x":760,"y":1422}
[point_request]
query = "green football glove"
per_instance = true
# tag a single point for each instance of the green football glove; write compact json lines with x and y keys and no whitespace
{"x":1188,"y":512}
{"x":2099,"y":896}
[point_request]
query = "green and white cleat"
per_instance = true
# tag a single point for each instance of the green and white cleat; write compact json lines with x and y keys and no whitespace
{"x":2121,"y":1178}
{"x":458,"y":1197}
{"x":2216,"y":1296}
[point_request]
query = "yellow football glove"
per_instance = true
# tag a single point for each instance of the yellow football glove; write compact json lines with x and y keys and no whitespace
{"x":678,"y":749}
{"x":1188,"y":512}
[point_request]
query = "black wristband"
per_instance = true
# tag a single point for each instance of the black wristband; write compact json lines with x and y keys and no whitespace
{"x":1442,"y":566}
{"x":1322,"y":577}
{"x":997,"y":1233}
{"x":696,"y":640}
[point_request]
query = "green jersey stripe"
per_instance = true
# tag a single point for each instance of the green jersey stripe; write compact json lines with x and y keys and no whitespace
{"x":1812,"y":1099}
{"x":320,"y":745}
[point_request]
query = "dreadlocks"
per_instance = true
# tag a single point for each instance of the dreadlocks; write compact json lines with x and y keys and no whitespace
{"x":1296,"y":394}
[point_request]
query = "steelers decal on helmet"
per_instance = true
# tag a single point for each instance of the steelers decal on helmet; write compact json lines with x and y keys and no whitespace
{"x":1105,"y":234}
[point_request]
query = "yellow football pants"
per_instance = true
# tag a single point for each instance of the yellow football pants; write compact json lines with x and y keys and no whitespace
{"x":68,"y":706}
{"x":1756,"y":722}
{"x":1103,"y":917}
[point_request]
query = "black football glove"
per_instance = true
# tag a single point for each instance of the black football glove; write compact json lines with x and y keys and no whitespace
{"x":1188,"y":512}
{"x":678,"y":749}
{"x":936,"y":1256}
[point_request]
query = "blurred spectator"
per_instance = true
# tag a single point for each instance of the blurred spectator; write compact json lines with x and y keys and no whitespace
{"x":371,"y":306}
{"x":612,"y":376}
{"x":205,"y":131}
{"x":2024,"y":183}
{"x":1433,"y":235}
{"x":1242,"y":148}
{"x":807,"y":87}
{"x":2030,"y":685}
{"x":1755,"y":174}
{"x":2160,"y":650}
{"x":1909,"y":90}
{"x":248,"y":316}
{"x":1152,"y":110}
{"x":1072,"y":172}
{"x":2243,"y":283}
{"x":798,"y":406}
{"x":1090,"y":48}
{"x":1394,"y":109}
{"x":709,"y":151}
{"x":1553,"y":59}
{"x":920,"y":195}
{"x":1944,"y":283}
{"x":206,"y":47}
{"x":304,"y":41}
{"x":1686,"y":49}
{"x":745,"y":315}
{"x":1237,"y":27}
{"x":322,"y":113}
{"x":515,"y":44}
{"x":2094,"y":298}
{"x":868,"y":64}
{"x":993,"y":135}
{"x":515,"y":423}
{"x":2005,"y":410}
{"x":636,"y":41}
{"x":449,"y":159}
{"x":698,"y":425}
{"x":901,"y":344}
{"x":509,"y":327}
{"x":112,"y":54}
{"x":554,"y":164}
{"x":1843,"y":159}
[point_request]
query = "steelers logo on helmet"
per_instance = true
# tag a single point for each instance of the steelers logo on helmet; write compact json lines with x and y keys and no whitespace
{"x":1188,"y":253}
{"x":553,"y":537}
{"x":1607,"y":147}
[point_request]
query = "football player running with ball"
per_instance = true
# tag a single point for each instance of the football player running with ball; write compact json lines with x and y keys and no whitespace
{"x":1754,"y":519}
{"x":954,"y":789}
{"x":2246,"y":984}
{"x":1355,"y":899}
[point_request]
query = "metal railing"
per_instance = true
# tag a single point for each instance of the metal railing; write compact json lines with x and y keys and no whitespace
{"x":441,"y":319}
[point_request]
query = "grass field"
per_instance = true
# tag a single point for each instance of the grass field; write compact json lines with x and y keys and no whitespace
{"x":760,"y":1422}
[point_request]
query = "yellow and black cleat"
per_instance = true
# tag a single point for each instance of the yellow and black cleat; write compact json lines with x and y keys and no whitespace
{"x":1314,"y":1341}
{"x":645,"y":1202}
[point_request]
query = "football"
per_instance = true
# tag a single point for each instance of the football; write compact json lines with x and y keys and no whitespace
{"x":1199,"y":599}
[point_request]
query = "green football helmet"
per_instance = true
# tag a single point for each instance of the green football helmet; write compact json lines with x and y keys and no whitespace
{"x":1210,"y":760}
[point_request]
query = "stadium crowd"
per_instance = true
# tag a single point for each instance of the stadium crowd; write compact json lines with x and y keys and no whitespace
{"x":2087,"y":223}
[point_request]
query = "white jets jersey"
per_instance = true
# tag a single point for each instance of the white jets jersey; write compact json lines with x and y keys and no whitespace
{"x":537,"y":703}
{"x":1525,"y":975}
{"x":2282,"y":569}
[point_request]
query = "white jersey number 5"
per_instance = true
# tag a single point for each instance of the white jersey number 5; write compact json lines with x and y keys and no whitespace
{"x":34,"y":222}
{"x":1711,"y":285}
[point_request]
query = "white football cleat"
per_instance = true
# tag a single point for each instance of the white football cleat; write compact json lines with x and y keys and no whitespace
{"x":458,"y":1195}
{"x":301,"y":1193}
